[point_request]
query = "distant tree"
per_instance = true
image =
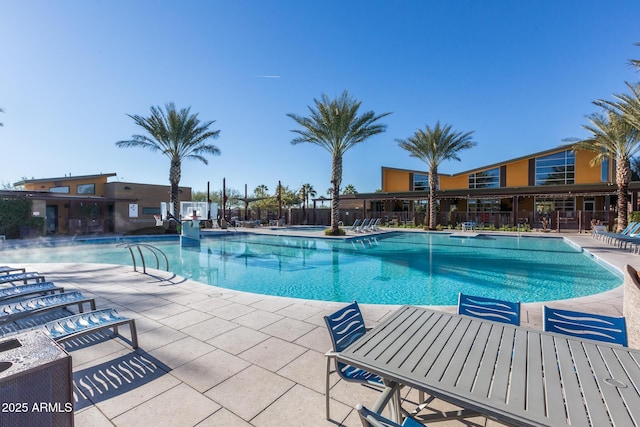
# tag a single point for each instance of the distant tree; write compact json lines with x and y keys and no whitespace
{"x":349,"y":189}
{"x":433,"y":146}
{"x":177,"y":134}
{"x":334,"y":124}
{"x":307,"y":191}
{"x":261,"y":191}
{"x":613,"y":136}
{"x":198,"y":196}
{"x":1,"y":111}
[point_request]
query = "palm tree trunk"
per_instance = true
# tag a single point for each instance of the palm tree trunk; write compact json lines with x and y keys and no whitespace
{"x":336,"y":180}
{"x":623,"y":176}
{"x":174,"y":179}
{"x":433,"y":182}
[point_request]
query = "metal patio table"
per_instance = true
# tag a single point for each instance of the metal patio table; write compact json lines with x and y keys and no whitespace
{"x":513,"y":374}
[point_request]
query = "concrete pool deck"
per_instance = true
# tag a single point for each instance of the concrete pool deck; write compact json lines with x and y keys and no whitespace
{"x":210,"y":356}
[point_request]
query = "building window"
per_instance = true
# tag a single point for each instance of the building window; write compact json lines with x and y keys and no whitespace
{"x":150,"y":211}
{"x":64,"y":189}
{"x":86,"y":189}
{"x":420,"y":182}
{"x":564,"y":204}
{"x":604,"y":170}
{"x":556,"y":169}
{"x":485,"y":179}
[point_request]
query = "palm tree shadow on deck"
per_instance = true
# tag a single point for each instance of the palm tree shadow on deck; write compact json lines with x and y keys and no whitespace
{"x":115,"y":377}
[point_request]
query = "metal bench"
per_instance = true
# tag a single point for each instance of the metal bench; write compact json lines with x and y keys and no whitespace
{"x":85,"y":323}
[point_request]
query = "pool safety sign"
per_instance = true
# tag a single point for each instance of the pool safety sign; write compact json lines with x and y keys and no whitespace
{"x":133,"y":210}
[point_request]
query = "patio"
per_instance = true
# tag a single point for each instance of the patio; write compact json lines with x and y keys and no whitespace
{"x":214,"y":357}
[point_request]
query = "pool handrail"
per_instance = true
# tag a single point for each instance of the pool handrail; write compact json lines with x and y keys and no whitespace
{"x":154,"y":250}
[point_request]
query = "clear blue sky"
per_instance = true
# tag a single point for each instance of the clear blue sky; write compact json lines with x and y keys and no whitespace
{"x":521,"y":74}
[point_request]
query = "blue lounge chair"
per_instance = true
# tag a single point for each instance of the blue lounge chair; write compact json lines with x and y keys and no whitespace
{"x":373,"y":419}
{"x":20,"y":309}
{"x":631,"y":230}
{"x":585,"y":325}
{"x":21,"y":277}
{"x":489,"y":309}
{"x":5,"y":269}
{"x":20,"y":291}
{"x":77,"y":325}
{"x":345,"y":326}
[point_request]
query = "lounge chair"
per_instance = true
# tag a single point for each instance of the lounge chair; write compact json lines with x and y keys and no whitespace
{"x":20,"y":309}
{"x":585,"y":325}
{"x":631,"y":230}
{"x":374,"y":226}
{"x":355,"y":225}
{"x":77,"y":325}
{"x":21,"y":277}
{"x":345,"y":326}
{"x":5,"y":269}
{"x":373,"y":419}
{"x":19,"y":291}
{"x":489,"y":309}
{"x":363,"y":226}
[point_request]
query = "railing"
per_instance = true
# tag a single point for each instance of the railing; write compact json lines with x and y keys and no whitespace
{"x":155,"y":251}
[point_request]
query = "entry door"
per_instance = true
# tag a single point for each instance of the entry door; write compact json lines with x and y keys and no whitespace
{"x":52,"y":219}
{"x":589,"y":206}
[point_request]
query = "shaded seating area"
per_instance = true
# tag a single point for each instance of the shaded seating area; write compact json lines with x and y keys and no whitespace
{"x":44,"y":305}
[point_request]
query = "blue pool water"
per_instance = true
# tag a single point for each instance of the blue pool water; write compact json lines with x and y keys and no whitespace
{"x":395,"y":268}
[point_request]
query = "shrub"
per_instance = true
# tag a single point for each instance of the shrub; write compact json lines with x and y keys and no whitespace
{"x":16,"y":213}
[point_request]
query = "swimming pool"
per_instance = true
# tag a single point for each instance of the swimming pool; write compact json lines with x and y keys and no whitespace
{"x":394,"y":268}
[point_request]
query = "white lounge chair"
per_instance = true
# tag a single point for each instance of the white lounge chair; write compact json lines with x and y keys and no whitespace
{"x":362,"y":226}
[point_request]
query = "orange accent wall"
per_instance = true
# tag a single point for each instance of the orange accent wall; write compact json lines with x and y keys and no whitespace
{"x":586,"y":174}
{"x":454,"y":182}
{"x":518,"y":173}
{"x":395,"y":180}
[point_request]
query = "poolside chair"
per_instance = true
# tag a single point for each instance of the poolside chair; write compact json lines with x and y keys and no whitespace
{"x":17,"y":310}
{"x":21,"y":277}
{"x":5,"y":269}
{"x":355,"y":224}
{"x":631,"y":230}
{"x":20,"y":291}
{"x":77,"y":325}
{"x":345,"y":326}
{"x":489,"y":309}
{"x":374,"y":226}
{"x":373,"y":419}
{"x":585,"y":325}
{"x":362,"y":226}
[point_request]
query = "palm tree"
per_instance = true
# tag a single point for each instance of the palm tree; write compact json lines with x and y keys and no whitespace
{"x":177,"y":134}
{"x":433,"y":146}
{"x":350,"y":189}
{"x":334,"y":125}
{"x":307,"y":191}
{"x":613,"y":136}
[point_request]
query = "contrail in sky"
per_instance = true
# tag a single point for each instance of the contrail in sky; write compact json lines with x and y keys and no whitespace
{"x":269,"y":77}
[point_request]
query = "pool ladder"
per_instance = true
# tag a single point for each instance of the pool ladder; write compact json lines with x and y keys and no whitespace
{"x":155,"y":251}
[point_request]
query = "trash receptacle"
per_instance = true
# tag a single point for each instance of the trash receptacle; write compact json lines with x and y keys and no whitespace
{"x":35,"y":381}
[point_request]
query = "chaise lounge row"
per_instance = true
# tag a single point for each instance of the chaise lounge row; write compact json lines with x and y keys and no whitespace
{"x":22,"y":305}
